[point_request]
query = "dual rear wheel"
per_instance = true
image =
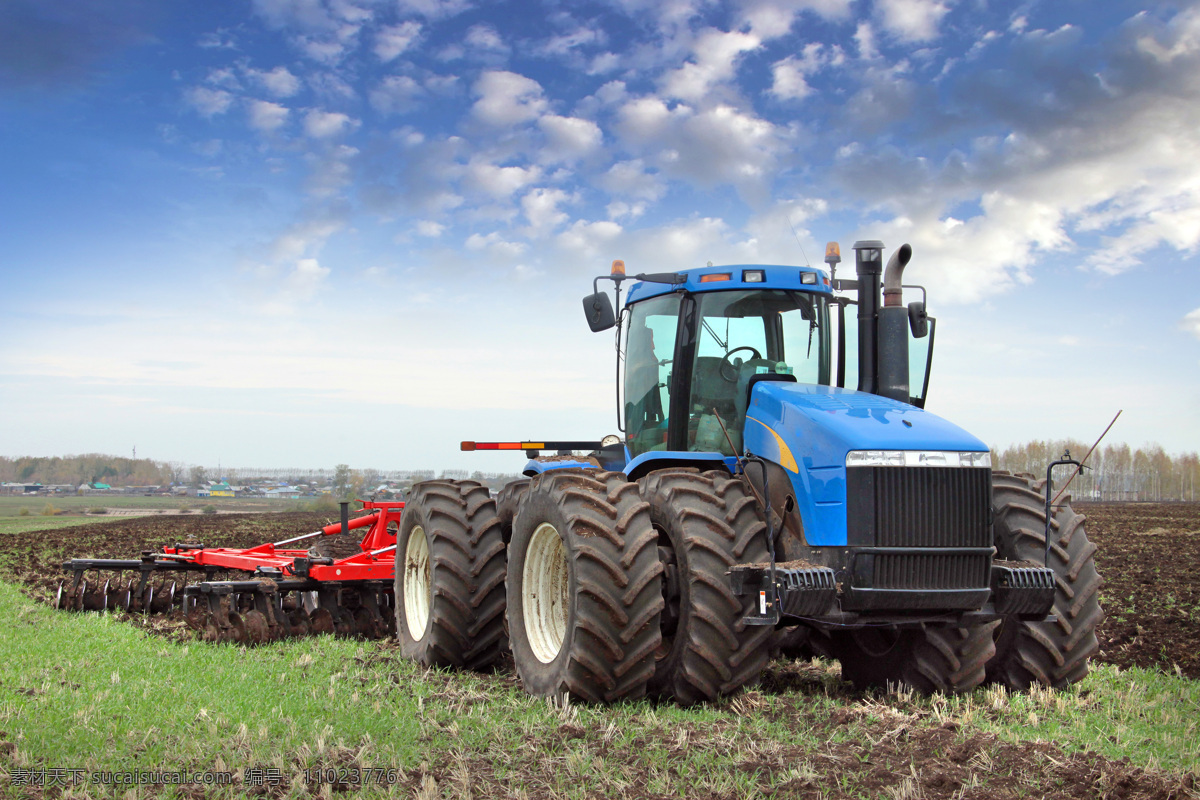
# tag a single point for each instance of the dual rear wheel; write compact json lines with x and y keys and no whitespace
{"x":614,"y":589}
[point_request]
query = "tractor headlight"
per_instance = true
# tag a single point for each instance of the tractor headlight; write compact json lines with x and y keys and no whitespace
{"x":917,"y":458}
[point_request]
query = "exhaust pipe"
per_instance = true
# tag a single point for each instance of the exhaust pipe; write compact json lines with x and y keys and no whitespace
{"x":893,"y":331}
{"x":893,"y":295}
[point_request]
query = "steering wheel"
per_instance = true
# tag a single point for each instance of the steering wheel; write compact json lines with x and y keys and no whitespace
{"x":727,"y":362}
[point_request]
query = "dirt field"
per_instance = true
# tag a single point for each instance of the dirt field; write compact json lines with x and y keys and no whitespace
{"x":1147,"y":554}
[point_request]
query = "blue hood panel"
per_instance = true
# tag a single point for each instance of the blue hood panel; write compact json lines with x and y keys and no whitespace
{"x":814,"y":427}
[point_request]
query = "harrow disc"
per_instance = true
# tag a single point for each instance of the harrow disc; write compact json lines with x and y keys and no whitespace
{"x":258,"y":631}
{"x":59,"y":597}
{"x":321,"y":621}
{"x":369,"y":624}
{"x":301,"y":626}
{"x":344,"y":624}
{"x":237,"y":629}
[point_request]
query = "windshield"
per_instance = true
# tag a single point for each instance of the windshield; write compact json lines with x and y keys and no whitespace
{"x":736,"y":335}
{"x":741,"y":334}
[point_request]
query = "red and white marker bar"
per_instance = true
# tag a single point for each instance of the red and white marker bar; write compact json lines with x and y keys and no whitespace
{"x":470,"y":446}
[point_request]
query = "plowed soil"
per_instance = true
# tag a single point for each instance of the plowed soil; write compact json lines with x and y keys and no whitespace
{"x":1147,"y":554}
{"x":1149,"y":558}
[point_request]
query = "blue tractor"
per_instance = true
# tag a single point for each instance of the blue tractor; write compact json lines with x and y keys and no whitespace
{"x":777,"y":487}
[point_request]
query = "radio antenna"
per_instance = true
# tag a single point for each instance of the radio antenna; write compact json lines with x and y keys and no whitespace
{"x":793,"y":227}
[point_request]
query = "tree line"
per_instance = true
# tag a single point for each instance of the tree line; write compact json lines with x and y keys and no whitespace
{"x":90,"y":468}
{"x":1114,"y":472}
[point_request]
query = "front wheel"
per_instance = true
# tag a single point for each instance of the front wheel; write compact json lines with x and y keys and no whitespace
{"x":1051,"y":653}
{"x":933,"y":659}
{"x":584,"y":588}
{"x":706,"y":523}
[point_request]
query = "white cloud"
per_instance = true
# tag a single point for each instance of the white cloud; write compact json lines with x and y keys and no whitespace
{"x":434,"y":9}
{"x":266,"y":116}
{"x":619,"y":209}
{"x":208,"y":102}
{"x":603,"y":64}
{"x":774,"y":18}
{"x":647,"y":119}
{"x":327,"y":124}
{"x":498,"y":181}
{"x":1191,"y":323}
{"x":331,"y":172}
{"x":569,"y":138}
{"x":496,"y":245}
{"x":224,"y":78}
{"x":969,"y":260}
{"x":564,"y":43}
{"x":506,"y":98}
{"x":588,"y":240}
{"x":911,"y":20}
{"x":303,"y":281}
{"x":397,"y":93}
{"x":789,"y":75}
{"x":393,"y":40}
{"x":864,"y":37}
{"x":631,"y":179}
{"x":483,"y":38}
{"x":325,"y":32}
{"x":541,"y":209}
{"x":330,"y":85}
{"x":303,"y":238}
{"x":715,"y":57}
{"x":279,"y":82}
{"x":429,"y":228}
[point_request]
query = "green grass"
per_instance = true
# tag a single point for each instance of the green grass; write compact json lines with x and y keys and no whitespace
{"x":86,"y":691}
{"x":11,"y":506}
{"x":1145,"y":715}
{"x":27,"y":524}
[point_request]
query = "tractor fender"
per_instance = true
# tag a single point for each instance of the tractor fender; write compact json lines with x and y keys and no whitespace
{"x":663,"y":459}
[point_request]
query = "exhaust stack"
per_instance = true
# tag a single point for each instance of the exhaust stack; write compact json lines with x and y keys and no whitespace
{"x":892,"y":365}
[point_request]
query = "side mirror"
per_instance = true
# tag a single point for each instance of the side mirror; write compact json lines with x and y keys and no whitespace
{"x":918,"y":319}
{"x":599,"y":311}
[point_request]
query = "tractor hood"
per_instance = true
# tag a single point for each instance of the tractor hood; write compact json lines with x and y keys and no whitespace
{"x":808,"y":430}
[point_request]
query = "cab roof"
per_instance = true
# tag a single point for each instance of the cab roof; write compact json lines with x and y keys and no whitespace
{"x":736,"y":276}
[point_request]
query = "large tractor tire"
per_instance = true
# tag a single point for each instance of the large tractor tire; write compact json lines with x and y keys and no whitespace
{"x":584,"y":588}
{"x":1051,"y":653}
{"x":507,"y":501}
{"x":933,"y":659}
{"x":450,"y":576}
{"x":705,"y":523}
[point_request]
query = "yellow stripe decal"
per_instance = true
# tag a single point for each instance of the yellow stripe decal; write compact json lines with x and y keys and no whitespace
{"x":786,"y":460}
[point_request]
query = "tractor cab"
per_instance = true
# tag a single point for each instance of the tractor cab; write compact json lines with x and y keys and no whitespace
{"x":693,"y":354}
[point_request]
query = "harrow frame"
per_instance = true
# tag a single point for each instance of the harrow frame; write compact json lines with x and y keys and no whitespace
{"x":288,"y":592}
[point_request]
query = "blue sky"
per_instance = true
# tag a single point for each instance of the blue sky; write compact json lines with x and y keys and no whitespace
{"x":306,"y":232}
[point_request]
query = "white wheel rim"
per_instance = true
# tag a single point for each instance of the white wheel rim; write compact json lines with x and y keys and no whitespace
{"x":545,"y":593}
{"x":418,"y":583}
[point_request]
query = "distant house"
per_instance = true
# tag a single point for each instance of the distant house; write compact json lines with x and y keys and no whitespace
{"x":283,"y":493}
{"x":221,"y":490}
{"x":20,"y":488}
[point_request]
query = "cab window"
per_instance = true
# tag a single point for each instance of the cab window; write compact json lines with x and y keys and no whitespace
{"x":649,"y":355}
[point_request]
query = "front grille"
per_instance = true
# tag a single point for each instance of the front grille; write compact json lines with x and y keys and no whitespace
{"x":931,"y":571}
{"x":919,"y":506}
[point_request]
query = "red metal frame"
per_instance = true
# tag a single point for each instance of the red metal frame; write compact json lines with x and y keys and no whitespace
{"x":370,"y":564}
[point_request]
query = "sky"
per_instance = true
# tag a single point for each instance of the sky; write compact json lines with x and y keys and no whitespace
{"x":298,"y":233}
